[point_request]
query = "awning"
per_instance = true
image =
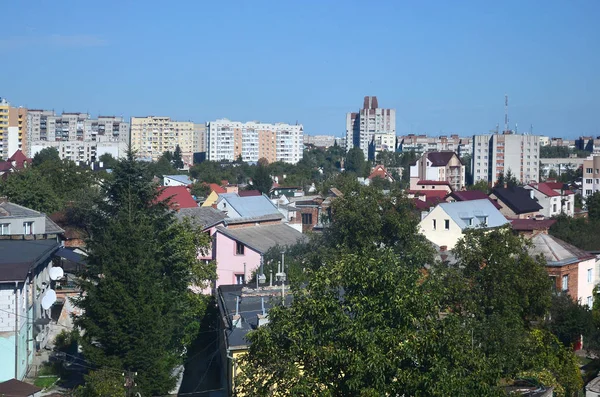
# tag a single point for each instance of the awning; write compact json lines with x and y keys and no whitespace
{"x":67,"y":254}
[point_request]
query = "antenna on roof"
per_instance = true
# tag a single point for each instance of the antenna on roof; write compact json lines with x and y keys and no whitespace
{"x":506,"y":113}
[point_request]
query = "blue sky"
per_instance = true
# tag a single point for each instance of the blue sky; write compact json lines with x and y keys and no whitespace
{"x":443,"y":65}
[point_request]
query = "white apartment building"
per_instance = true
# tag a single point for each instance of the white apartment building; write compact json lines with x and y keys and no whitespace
{"x":498,"y":153}
{"x":77,"y":136}
{"x":361,"y":127}
{"x":228,"y":140}
{"x":151,"y":136}
{"x":423,"y":143}
{"x":591,"y":175}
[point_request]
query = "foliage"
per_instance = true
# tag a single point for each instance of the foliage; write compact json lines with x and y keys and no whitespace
{"x":177,"y":160}
{"x":480,"y":185}
{"x":46,"y":154}
{"x":561,"y":152}
{"x":510,"y":180}
{"x":163,"y":166}
{"x":369,"y":325}
{"x":467,"y":159}
{"x":138,"y":313}
{"x":568,"y":319}
{"x":356,"y":163}
{"x":102,"y":383}
{"x":29,"y":189}
{"x":381,"y":183}
{"x":108,"y":160}
{"x":67,"y":341}
{"x":581,"y":232}
{"x":593,"y":206}
{"x":262,"y":179}
{"x":200,"y":189}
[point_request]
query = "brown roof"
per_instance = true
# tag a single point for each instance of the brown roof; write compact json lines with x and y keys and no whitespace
{"x":439,"y":159}
{"x":531,"y":224}
{"x":468,"y":195}
{"x":15,"y":388}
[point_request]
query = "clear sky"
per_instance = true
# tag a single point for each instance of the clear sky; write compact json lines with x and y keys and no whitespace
{"x":443,"y":65}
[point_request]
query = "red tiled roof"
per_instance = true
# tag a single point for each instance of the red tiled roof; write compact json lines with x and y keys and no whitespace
{"x":380,"y":172}
{"x":428,"y":203}
{"x":545,"y":189}
{"x":5,"y":166}
{"x":216,"y":188}
{"x":248,"y":193}
{"x":426,"y":182}
{"x":179,"y":196}
{"x":531,"y":224}
{"x":430,"y":194}
{"x":19,"y":157}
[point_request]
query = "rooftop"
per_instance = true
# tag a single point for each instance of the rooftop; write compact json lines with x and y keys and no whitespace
{"x":262,"y":238}
{"x":531,"y":224}
{"x":8,"y":209}
{"x":17,"y":257}
{"x":468,"y":195}
{"x":16,"y":388}
{"x":178,"y":197}
{"x":249,"y":206}
{"x":426,"y":182}
{"x":185,"y":179}
{"x":470,"y":214}
{"x":557,"y":252}
{"x":517,"y":198}
{"x":203,"y":217}
{"x":440,"y":159}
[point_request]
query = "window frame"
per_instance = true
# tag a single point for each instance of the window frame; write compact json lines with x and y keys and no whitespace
{"x":238,"y":251}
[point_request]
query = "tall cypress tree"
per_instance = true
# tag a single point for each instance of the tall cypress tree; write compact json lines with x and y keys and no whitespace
{"x":138,"y":313}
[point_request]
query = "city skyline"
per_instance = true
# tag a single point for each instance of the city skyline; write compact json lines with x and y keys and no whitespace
{"x":445,"y":68}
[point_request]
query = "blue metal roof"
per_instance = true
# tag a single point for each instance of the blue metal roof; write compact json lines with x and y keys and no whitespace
{"x":473,"y":213}
{"x":180,"y":178}
{"x":250,"y":206}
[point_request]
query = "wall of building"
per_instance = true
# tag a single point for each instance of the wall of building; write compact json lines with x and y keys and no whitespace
{"x":8,"y":301}
{"x":152,"y":136}
{"x":440,"y":236}
{"x":591,"y":175}
{"x":585,"y":289}
{"x":229,"y":264}
{"x":572,"y":270}
{"x":16,"y":224}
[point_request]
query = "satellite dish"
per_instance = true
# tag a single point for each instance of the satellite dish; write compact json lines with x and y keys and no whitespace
{"x":56,"y":273}
{"x":48,"y":299}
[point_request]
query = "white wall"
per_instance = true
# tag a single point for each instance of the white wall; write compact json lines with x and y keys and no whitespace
{"x":440,"y":236}
{"x":585,"y":288}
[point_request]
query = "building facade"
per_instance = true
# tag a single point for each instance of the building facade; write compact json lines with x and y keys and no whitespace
{"x":440,"y":167}
{"x":498,"y":153}
{"x":591,"y":175}
{"x":423,"y":143}
{"x":364,"y":125}
{"x":322,"y":141}
{"x":13,"y":129}
{"x":228,"y":140}
{"x":151,"y":136}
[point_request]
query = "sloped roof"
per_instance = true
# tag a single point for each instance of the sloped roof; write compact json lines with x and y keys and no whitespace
{"x":531,"y":224}
{"x":430,"y":194}
{"x":440,"y":159}
{"x":427,"y":203}
{"x":427,"y":182}
{"x":5,"y":166}
{"x":468,"y":195}
{"x":380,"y":172}
{"x":262,"y":238}
{"x":180,"y":178}
{"x":250,"y":206}
{"x":216,"y":188}
{"x":17,"y":257}
{"x":17,"y":388}
{"x":203,"y":217}
{"x":19,"y":157}
{"x":517,"y":199}
{"x":179,"y":197}
{"x":8,"y":209}
{"x":544,"y":189}
{"x":556,"y":251}
{"x":475,"y":210}
{"x":248,"y":193}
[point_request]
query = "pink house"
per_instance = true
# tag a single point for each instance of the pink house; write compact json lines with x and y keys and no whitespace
{"x":239,"y":246}
{"x":207,"y":218}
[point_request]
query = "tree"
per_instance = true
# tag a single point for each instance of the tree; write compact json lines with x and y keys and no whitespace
{"x":552,"y":174}
{"x":593,"y":206}
{"x":163,"y":166}
{"x":501,"y":181}
{"x":481,"y":185}
{"x":30,"y":189}
{"x":108,"y":160}
{"x":102,"y":383}
{"x":262,"y":179}
{"x":511,"y":179}
{"x":138,"y":313}
{"x":355,"y":161}
{"x":200,"y":189}
{"x":46,"y":154}
{"x":467,"y":160}
{"x":177,"y":160}
{"x":366,"y":324}
{"x":568,"y":320}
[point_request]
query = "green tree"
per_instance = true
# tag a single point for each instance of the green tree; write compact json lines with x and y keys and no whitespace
{"x":138,"y":313}
{"x":262,"y":179}
{"x":355,"y":162}
{"x":200,"y":189}
{"x":108,"y":160}
{"x":163,"y":166}
{"x":177,"y":160}
{"x":480,"y":185}
{"x":30,"y":189}
{"x":467,"y":159}
{"x":367,"y":324}
{"x":501,"y":181}
{"x":552,"y":174}
{"x":510,"y":179}
{"x":102,"y":383}
{"x":46,"y":154}
{"x":568,"y":320}
{"x":592,"y":203}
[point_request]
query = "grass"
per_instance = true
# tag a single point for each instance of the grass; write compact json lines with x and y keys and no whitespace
{"x":46,"y":381}
{"x":47,"y":369}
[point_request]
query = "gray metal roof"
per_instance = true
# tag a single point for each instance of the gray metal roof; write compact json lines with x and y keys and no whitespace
{"x":180,"y":178}
{"x":263,"y":218}
{"x":261,"y":238}
{"x":52,"y":228}
{"x":17,"y":257}
{"x":203,"y":217}
{"x":250,"y":206}
{"x":13,"y":210}
{"x":557,"y":252}
{"x":474,"y":211}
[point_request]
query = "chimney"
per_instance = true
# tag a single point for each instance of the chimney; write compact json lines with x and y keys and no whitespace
{"x":443,"y":248}
{"x":237,"y":318}
{"x":531,"y":194}
{"x":263,"y":318}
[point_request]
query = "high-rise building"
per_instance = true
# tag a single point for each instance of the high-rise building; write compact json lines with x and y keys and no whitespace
{"x":13,"y":127}
{"x":228,"y":140}
{"x":76,"y":136}
{"x":151,"y":136}
{"x":498,"y":153}
{"x":423,"y":143}
{"x":591,"y":175}
{"x":361,"y":128}
{"x":199,"y":138}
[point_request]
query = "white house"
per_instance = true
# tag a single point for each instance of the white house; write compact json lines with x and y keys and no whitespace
{"x":176,"y":180}
{"x":554,"y":198}
{"x":444,"y":225}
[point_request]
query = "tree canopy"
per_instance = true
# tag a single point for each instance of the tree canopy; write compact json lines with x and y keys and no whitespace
{"x":46,"y":154}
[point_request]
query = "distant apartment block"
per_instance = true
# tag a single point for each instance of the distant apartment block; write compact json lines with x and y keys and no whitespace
{"x":423,"y":143}
{"x":151,"y":136}
{"x":588,"y":143}
{"x":228,"y":140}
{"x":498,"y":153}
{"x":321,"y":141}
{"x":591,"y":175}
{"x":13,"y":129}
{"x":199,"y":138}
{"x":439,"y":167}
{"x":76,"y":136}
{"x":368,"y":122}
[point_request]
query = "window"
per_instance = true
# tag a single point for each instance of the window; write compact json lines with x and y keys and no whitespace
{"x":590,"y":301}
{"x":565,"y":283}
{"x":27,"y":227}
{"x":588,"y":181}
{"x":470,"y":221}
{"x":434,"y":224}
{"x":590,"y":274}
{"x":588,"y":192}
{"x":307,"y":219}
{"x":553,"y":207}
{"x":239,"y":279}
{"x":446,"y":224}
{"x":239,"y":248}
{"x":568,"y":206}
{"x":4,"y":229}
{"x":588,"y":170}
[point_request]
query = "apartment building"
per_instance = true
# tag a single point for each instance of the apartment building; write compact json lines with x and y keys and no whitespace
{"x":13,"y":127}
{"x":228,"y":140}
{"x":151,"y":136}
{"x":322,"y":141}
{"x":591,"y":175}
{"x":77,"y":136}
{"x":364,"y":125}
{"x":423,"y":143}
{"x":498,"y":153}
{"x":199,"y":138}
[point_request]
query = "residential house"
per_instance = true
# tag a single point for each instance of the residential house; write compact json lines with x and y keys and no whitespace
{"x":177,"y":197}
{"x":16,"y":162}
{"x":16,"y":388}
{"x":212,"y":198}
{"x":420,"y":186}
{"x":176,"y":180}
{"x":571,"y":269}
{"x":445,"y":224}
{"x":239,"y":250}
{"x":468,"y":195}
{"x":379,"y":171}
{"x":236,"y":206}
{"x":16,"y":220}
{"x":555,"y":198}
{"x":516,"y":202}
{"x":531,"y":227}
{"x":243,"y":309}
{"x":205,"y":218}
{"x":439,"y":166}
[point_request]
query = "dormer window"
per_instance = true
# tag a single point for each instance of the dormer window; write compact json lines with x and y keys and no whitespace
{"x":27,"y":227}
